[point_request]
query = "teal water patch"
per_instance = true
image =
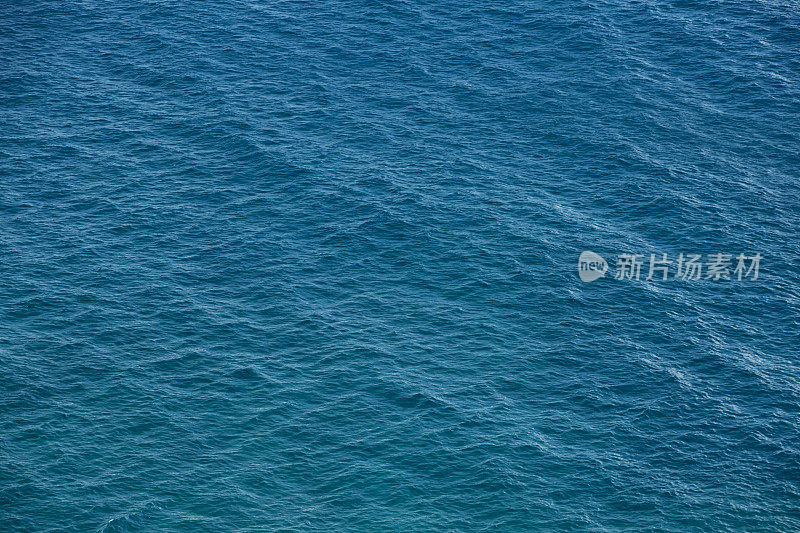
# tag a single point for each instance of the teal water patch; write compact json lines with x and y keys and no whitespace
{"x":313,"y":266}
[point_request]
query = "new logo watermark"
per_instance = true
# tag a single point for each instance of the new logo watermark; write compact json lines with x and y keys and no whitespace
{"x":687,"y":267}
{"x":591,"y":266}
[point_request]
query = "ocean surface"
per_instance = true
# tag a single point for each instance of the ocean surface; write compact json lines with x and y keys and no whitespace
{"x":313,"y":266}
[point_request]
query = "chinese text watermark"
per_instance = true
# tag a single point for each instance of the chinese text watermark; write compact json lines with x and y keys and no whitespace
{"x":660,"y":267}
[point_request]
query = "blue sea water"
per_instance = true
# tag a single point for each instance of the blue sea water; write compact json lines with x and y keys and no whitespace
{"x":312,"y":266}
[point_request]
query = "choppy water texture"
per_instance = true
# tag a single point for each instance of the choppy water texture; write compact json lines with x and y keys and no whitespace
{"x":312,"y":266}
